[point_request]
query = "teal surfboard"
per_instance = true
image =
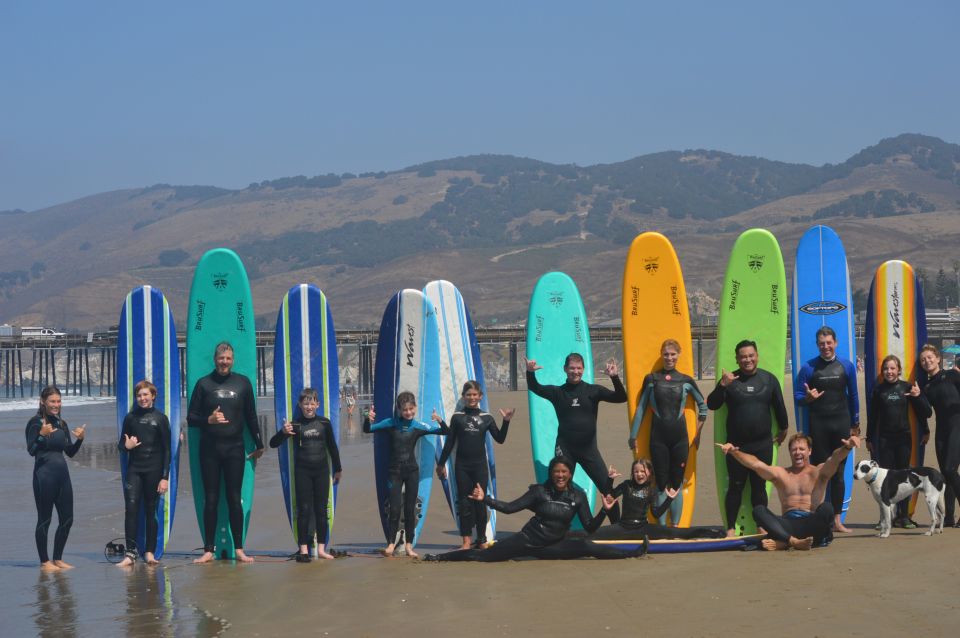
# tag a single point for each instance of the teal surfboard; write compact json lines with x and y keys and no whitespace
{"x":221,"y":309}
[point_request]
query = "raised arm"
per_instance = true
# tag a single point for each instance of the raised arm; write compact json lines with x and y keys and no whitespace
{"x":830,"y":466}
{"x":527,"y":501}
{"x":500,"y":434}
{"x":749,"y":461}
{"x":449,"y":443}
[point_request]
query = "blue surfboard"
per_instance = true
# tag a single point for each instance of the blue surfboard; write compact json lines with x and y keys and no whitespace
{"x":147,"y":349}
{"x":822,"y":297}
{"x":305,"y":356}
{"x":408,"y":359}
{"x":676,"y":546}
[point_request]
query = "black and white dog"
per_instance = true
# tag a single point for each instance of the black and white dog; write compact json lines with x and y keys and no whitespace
{"x":890,"y":487}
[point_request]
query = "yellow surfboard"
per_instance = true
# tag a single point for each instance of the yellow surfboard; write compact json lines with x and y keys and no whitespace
{"x":655,"y":309}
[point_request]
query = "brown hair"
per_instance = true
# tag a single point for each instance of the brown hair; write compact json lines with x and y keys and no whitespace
{"x":144,"y":384}
{"x":404,"y":398}
{"x":800,"y":436}
{"x":647,"y":463}
{"x":670,"y":342}
{"x":471,"y":385}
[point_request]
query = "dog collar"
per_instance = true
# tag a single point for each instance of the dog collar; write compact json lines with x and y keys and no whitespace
{"x":873,"y":476}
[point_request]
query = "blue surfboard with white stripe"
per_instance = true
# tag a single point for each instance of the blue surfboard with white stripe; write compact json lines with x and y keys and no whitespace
{"x":305,"y":356}
{"x":408,"y":359}
{"x":147,"y":349}
{"x":459,"y":362}
{"x":822,"y":297}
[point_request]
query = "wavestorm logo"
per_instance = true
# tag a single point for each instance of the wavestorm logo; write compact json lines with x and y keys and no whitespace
{"x":634,"y":300}
{"x":198,"y":321}
{"x":734,"y":292}
{"x":220,"y":280}
{"x":651,"y":265}
{"x":674,"y":300}
{"x":823,"y":308}
{"x":895,"y":310}
{"x":755,"y":262}
{"x":241,"y":324}
{"x":775,"y":299}
{"x":555,"y":298}
{"x":408,"y":344}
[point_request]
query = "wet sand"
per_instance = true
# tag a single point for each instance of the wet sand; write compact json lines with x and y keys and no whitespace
{"x":860,"y":585}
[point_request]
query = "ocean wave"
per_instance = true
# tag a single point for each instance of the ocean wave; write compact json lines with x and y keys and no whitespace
{"x":14,"y":405}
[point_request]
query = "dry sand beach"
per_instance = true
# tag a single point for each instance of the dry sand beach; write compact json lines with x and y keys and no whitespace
{"x":859,"y":586}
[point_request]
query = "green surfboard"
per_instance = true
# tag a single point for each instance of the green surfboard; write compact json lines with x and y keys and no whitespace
{"x":221,"y":309}
{"x":753,"y":306}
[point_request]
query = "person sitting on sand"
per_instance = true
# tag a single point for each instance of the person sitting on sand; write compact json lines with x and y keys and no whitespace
{"x":799,"y":486}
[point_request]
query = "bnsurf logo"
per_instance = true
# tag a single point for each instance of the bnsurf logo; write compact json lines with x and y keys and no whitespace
{"x":556,"y":298}
{"x":651,"y":265}
{"x":823,"y":308}
{"x":755,"y":263}
{"x":220,"y":281}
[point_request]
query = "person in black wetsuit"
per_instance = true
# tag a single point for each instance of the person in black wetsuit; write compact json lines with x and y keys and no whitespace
{"x":145,"y":439}
{"x":889,"y":439}
{"x":48,"y":438}
{"x":468,"y":433}
{"x":806,"y":519}
{"x":404,"y":471}
{"x":311,"y":436}
{"x":638,"y":494}
{"x":221,"y":405}
{"x":751,"y":394}
{"x":827,"y":386}
{"x":577,"y":403}
{"x":666,"y":392}
{"x":942,"y":389}
{"x":554,"y":504}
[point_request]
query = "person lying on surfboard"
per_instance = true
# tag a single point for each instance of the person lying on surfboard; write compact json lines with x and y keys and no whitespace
{"x":577,"y":403}
{"x":404,"y":431}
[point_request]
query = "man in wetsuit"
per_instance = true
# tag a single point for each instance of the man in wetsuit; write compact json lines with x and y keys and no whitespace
{"x":827,"y":386}
{"x":577,"y":403}
{"x":800,"y":487}
{"x":751,"y":395}
{"x":222,"y":405}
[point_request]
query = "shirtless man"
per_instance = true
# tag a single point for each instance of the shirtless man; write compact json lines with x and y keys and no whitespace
{"x":799,"y":486}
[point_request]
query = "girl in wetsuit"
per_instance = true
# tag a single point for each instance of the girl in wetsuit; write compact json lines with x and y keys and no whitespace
{"x":638,"y":494}
{"x":468,"y":432}
{"x":47,"y":440}
{"x":666,"y":392}
{"x":145,"y":439}
{"x":313,"y":442}
{"x":404,"y":433}
{"x":554,"y":504}
{"x":889,"y":439}
{"x":942,"y":389}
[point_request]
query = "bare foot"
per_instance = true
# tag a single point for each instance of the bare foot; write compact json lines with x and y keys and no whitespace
{"x":772,"y":546}
{"x":150,"y":559}
{"x":243,"y":558}
{"x":126,"y":562}
{"x":206,"y":558}
{"x":484,"y":545}
{"x":408,"y":548}
{"x":466,"y":545}
{"x":62,"y":565}
{"x":842,"y":529}
{"x":731,"y":533}
{"x":389,"y":550}
{"x":48,"y":566}
{"x":323,"y":553}
{"x":801,"y":544}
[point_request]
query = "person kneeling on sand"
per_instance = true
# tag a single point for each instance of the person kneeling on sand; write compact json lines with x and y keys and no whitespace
{"x":799,"y":487}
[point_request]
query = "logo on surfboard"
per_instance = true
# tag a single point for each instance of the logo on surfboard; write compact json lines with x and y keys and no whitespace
{"x":651,"y":265}
{"x":895,"y":310}
{"x":755,"y":263}
{"x":220,"y":280}
{"x":556,"y":298}
{"x":823,"y":308}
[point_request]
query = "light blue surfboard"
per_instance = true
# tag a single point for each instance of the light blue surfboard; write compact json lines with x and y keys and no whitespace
{"x":822,"y":297}
{"x":147,"y":349}
{"x":408,"y":359}
{"x":305,"y":356}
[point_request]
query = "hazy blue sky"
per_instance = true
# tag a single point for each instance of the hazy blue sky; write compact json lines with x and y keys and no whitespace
{"x":105,"y":95}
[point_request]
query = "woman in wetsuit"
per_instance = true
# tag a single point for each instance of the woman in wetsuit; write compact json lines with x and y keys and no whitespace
{"x":666,"y":392}
{"x":638,"y":494}
{"x":889,"y":439}
{"x":554,"y":504}
{"x":942,"y":389}
{"x":48,"y":438}
{"x":468,"y":432}
{"x":404,"y":432}
{"x":312,"y":438}
{"x":145,"y":438}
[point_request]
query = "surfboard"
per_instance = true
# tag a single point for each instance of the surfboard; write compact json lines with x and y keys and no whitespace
{"x":822,"y":297}
{"x":753,"y":306}
{"x":556,"y":327}
{"x":221,"y":309}
{"x":654,"y":309}
{"x":459,"y":362}
{"x":670,"y":546}
{"x":896,"y":324}
{"x":305,"y":356}
{"x":408,"y":359}
{"x":147,"y":349}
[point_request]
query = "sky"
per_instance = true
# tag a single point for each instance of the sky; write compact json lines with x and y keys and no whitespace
{"x":98,"y":96}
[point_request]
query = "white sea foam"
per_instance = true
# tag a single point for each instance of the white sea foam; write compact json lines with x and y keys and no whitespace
{"x":13,"y":405}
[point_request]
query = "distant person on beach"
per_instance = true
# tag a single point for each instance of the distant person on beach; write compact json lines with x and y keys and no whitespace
{"x":311,"y":436}
{"x":800,"y":487}
{"x":889,"y":438}
{"x":555,"y":503}
{"x":468,"y":434}
{"x":666,"y":393}
{"x":827,"y":388}
{"x":221,"y":406}
{"x":145,"y":439}
{"x":48,"y":438}
{"x":404,"y":432}
{"x":577,"y":403}
{"x":348,"y":394}
{"x":751,"y":394}
{"x":942,"y":389}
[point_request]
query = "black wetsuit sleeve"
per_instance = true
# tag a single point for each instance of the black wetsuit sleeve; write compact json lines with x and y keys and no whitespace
{"x":332,"y":449}
{"x":614,"y":514}
{"x":366,"y":425}
{"x":617,"y":395}
{"x":277,"y":439}
{"x":165,"y":445}
{"x":250,"y":415}
{"x":548,"y":392}
{"x":779,"y":406}
{"x":35,"y":442}
{"x":71,"y":449}
{"x":873,"y":413}
{"x":124,"y":432}
{"x":499,"y":434}
{"x":590,"y":522}
{"x":194,"y":417}
{"x":527,"y":501}
{"x":658,"y":510}
{"x":717,"y":397}
{"x":448,"y":444}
